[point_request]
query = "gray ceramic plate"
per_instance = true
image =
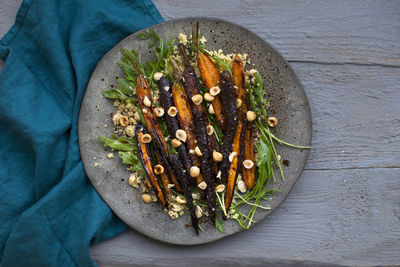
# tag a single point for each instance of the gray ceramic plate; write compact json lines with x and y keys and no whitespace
{"x":110,"y":178}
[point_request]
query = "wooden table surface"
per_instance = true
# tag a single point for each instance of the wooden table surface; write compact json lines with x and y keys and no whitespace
{"x":345,"y":207}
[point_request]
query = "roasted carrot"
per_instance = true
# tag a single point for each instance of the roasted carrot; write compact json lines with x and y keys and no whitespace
{"x":145,"y":103}
{"x":145,"y":157}
{"x":234,"y":167}
{"x":210,"y":76}
{"x":229,"y":104}
{"x":242,"y":95}
{"x":192,"y":89}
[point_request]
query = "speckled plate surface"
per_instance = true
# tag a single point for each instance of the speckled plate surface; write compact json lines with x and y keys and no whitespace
{"x":110,"y":178}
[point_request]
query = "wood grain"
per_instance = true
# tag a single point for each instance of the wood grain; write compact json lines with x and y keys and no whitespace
{"x":337,"y":216}
{"x":362,"y":32}
{"x":356,"y":115}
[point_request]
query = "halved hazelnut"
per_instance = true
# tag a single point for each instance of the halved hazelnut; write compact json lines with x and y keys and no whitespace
{"x":250,"y":115}
{"x":232,"y":156}
{"x":146,"y":138}
{"x":215,"y":90}
{"x":147,"y":102}
{"x":197,"y":99}
{"x":198,"y":211}
{"x":248,"y":164}
{"x":166,"y":88}
{"x":191,"y":151}
{"x":252,"y":72}
{"x":198,"y":152}
{"x":158,"y":169}
{"x":211,"y":109}
{"x":272,"y":121}
{"x":202,"y":185}
{"x":157,"y":76}
{"x":194,"y":171}
{"x":210,"y":130}
{"x":159,"y":111}
{"x":180,"y":200}
{"x":175,"y":143}
{"x":242,"y":187}
{"x":220,"y":188}
{"x":208,"y":97}
{"x":172,"y":111}
{"x":144,"y":110}
{"x":181,"y":135}
{"x":123,"y":120}
{"x":217,"y":157}
{"x":238,"y":103}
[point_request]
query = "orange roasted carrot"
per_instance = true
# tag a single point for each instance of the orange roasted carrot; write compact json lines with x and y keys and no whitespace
{"x":185,"y":118}
{"x":234,"y":167}
{"x":242,"y":95}
{"x":145,"y":102}
{"x":145,"y":157}
{"x":210,"y":77}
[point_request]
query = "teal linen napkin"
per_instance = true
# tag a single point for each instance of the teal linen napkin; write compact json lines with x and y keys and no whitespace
{"x":49,"y":211}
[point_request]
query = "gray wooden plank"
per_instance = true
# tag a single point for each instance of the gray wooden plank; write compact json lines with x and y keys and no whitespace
{"x":356,"y":115}
{"x":336,"y":31}
{"x":347,"y":216}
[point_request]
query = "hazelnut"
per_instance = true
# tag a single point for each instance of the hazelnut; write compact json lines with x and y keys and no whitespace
{"x":198,"y":211}
{"x":232,"y":156}
{"x":175,"y":143}
{"x":180,"y":200}
{"x":208,"y":97}
{"x":211,"y":109}
{"x":238,"y":103}
{"x":172,"y":111}
{"x":217,"y":157}
{"x":146,"y":198}
{"x":252,"y":72}
{"x":202,"y":185}
{"x":198,"y":151}
{"x":147,"y":102}
{"x":133,"y":180}
{"x":123,"y":120}
{"x":215,"y":90}
{"x":158,"y":169}
{"x":157,"y":76}
{"x":181,"y":135}
{"x":170,"y":186}
{"x":219,"y":175}
{"x":210,"y":130}
{"x":144,"y":110}
{"x":242,"y":187}
{"x":194,"y":171}
{"x":159,"y":111}
{"x":272,"y":121}
{"x":197,"y":99}
{"x":146,"y":138}
{"x":220,"y":188}
{"x":250,"y":115}
{"x":166,"y":88}
{"x":248,"y":164}
{"x":191,"y":151}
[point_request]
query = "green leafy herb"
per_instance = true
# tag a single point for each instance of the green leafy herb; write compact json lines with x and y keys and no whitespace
{"x":112,"y":94}
{"x":125,"y":87}
{"x":219,"y":225}
{"x":128,"y":158}
{"x":119,"y":143}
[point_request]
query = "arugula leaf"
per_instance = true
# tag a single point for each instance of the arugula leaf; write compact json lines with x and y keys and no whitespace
{"x":219,"y":225}
{"x":119,"y":143}
{"x":128,"y":158}
{"x":112,"y":94}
